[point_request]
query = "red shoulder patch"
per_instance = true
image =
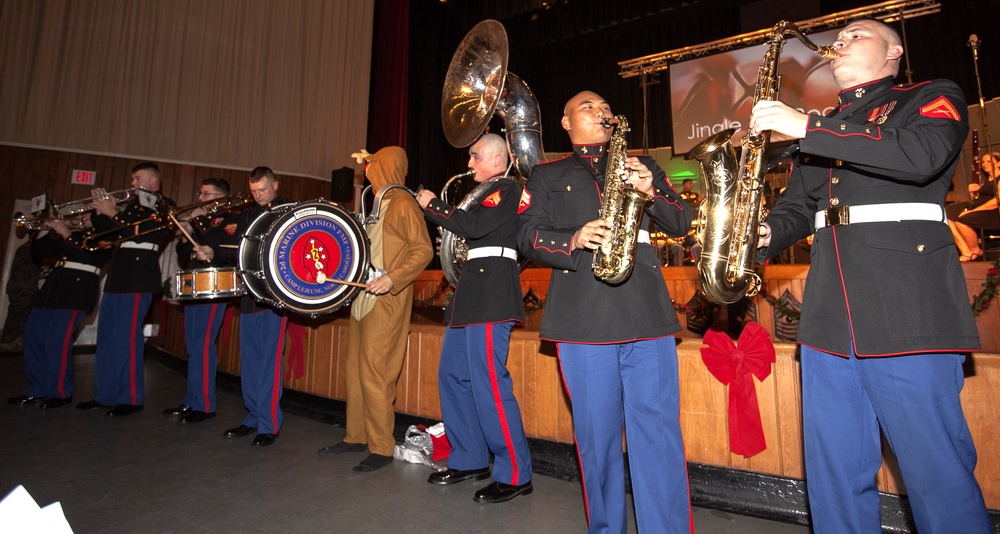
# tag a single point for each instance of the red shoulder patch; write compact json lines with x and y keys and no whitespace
{"x":230,"y":228}
{"x":941,"y":108}
{"x":525,"y":202}
{"x":493,"y":200}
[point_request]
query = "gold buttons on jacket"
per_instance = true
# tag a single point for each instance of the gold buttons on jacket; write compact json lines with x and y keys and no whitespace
{"x":834,"y":180}
{"x":818,"y":124}
{"x":834,"y":201}
{"x":843,"y":127}
{"x":839,"y":162}
{"x":920,"y":248}
{"x":569,"y":188}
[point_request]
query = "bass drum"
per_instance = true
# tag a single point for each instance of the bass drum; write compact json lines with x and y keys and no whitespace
{"x":289,"y":254}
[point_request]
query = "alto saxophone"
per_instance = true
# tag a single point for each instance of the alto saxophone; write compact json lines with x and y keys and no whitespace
{"x":730,"y":215}
{"x":622,"y":207}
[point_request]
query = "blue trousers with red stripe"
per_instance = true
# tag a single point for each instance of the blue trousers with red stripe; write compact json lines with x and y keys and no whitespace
{"x":636,"y":384}
{"x":201,"y":326}
{"x":262,"y":342}
{"x":48,"y":351}
{"x":118,"y":361}
{"x":915,"y":401}
{"x":478,"y":405}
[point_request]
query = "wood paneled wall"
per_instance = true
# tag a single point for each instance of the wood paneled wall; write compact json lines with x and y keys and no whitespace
{"x":704,"y":400}
{"x":29,"y":172}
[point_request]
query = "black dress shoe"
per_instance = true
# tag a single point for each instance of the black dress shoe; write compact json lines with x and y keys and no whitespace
{"x":500,"y":492}
{"x":451,"y":476}
{"x":239,"y":432}
{"x":178,"y":411}
{"x":371,"y":463}
{"x":341,"y":448}
{"x":90,"y":405}
{"x":124,"y":409}
{"x":24,"y":400}
{"x":196,"y":416}
{"x":263,"y":440}
{"x":55,"y":402}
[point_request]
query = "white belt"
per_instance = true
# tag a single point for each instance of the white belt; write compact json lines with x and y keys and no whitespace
{"x":892,"y":212}
{"x":643,"y":236}
{"x":486,"y":252}
{"x":79,"y":266}
{"x":146,"y":246}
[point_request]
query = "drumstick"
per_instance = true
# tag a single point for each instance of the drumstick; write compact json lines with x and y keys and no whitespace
{"x":346,"y":282}
{"x":183,"y":231}
{"x":229,"y":246}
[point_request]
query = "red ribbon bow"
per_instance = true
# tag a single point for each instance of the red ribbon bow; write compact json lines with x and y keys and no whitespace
{"x":733,"y":365}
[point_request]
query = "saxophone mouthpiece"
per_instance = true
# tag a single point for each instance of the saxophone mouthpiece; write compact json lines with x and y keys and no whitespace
{"x":829,"y":52}
{"x":608,"y":122}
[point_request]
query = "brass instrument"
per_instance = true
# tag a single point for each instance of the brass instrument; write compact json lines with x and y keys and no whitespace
{"x":70,"y":213}
{"x":477,"y":86}
{"x":622,"y":207}
{"x":82,"y":205}
{"x":33,"y":224}
{"x":730,"y":215}
{"x":163,"y":219}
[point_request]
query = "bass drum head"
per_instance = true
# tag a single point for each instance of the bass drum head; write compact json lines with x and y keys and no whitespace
{"x":310,"y":244}
{"x":250,"y":254}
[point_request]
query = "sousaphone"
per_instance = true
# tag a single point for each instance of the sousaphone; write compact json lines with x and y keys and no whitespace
{"x":476,"y":87}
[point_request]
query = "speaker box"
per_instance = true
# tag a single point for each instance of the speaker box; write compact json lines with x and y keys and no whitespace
{"x":342,"y":184}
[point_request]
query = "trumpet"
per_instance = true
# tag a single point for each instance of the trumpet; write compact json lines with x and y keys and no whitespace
{"x":33,"y":224}
{"x":75,"y":207}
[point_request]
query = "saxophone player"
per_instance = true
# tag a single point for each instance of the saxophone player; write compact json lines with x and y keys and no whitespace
{"x":886,"y":317}
{"x":615,"y":342}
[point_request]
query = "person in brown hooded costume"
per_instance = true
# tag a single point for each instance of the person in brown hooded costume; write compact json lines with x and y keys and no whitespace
{"x":380,"y":319}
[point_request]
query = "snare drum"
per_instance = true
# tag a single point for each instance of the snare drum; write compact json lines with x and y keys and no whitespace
{"x":288,"y":254}
{"x":211,"y":283}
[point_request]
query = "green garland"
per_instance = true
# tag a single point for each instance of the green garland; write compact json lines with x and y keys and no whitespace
{"x":980,"y":303}
{"x":984,"y":299}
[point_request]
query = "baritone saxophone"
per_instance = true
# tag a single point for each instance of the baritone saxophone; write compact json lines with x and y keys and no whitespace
{"x":731,"y":212}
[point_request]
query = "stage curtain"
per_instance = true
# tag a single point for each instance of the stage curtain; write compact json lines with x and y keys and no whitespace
{"x":227,"y":83}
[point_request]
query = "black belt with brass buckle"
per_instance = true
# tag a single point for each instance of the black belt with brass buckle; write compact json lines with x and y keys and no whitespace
{"x":838,"y":215}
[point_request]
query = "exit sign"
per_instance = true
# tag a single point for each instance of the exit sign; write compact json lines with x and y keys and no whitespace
{"x":83,"y":177}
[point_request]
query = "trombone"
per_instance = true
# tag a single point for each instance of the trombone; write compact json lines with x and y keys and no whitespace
{"x":162,"y":219}
{"x":33,"y":224}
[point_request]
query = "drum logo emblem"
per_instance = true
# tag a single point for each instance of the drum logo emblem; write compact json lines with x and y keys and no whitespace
{"x":309,"y":251}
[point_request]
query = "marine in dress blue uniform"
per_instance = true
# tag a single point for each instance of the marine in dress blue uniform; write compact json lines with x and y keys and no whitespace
{"x":68,"y":294}
{"x":480,"y":412}
{"x":885,"y":316}
{"x":616,"y":347}
{"x":203,"y":319}
{"x":262,"y":333}
{"x":132,"y":280}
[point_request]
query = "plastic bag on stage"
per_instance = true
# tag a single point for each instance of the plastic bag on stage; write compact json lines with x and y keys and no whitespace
{"x":417,"y":448}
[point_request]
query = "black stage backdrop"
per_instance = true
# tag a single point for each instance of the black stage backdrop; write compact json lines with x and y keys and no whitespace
{"x":575,"y":45}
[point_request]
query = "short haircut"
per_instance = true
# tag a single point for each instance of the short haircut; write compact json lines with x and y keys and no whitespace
{"x":153,"y":168}
{"x":261,"y":173}
{"x":891,"y":35}
{"x":219,"y":183}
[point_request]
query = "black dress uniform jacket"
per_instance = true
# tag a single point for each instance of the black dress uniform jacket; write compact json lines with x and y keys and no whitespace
{"x":228,"y":256}
{"x":134,"y":270}
{"x":220,"y":229}
{"x":892,"y":287}
{"x":67,"y":288}
{"x":489,"y":289}
{"x":563,"y":195}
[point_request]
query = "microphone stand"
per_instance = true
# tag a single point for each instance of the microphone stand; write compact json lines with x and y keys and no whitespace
{"x":974,"y":45}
